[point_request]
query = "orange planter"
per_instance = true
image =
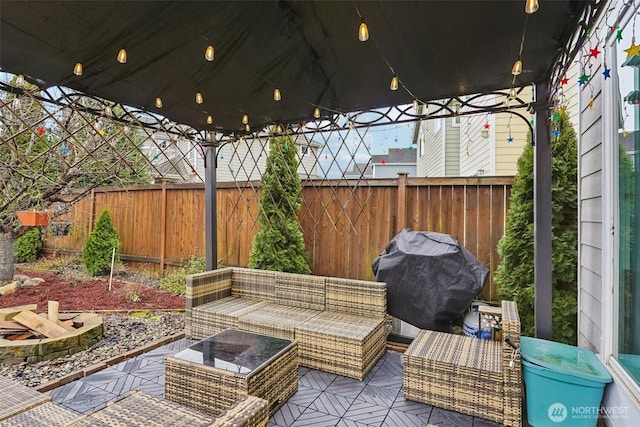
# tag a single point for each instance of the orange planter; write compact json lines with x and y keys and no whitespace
{"x":33,"y":218}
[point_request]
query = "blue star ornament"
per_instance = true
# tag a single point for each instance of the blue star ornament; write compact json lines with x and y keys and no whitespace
{"x":510,"y":139}
{"x":606,"y":73}
{"x":556,"y":133}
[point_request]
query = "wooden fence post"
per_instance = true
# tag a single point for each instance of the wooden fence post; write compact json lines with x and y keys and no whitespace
{"x":163,"y":224}
{"x":401,"y":213}
{"x":92,"y":210}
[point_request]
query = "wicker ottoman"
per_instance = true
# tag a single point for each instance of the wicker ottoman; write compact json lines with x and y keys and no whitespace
{"x":214,"y":373}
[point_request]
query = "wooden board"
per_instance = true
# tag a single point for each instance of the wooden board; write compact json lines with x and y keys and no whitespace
{"x":8,"y":324}
{"x":67,"y":324}
{"x":40,"y":324}
{"x":9,"y":312}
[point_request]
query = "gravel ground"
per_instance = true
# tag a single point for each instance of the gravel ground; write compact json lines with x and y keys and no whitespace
{"x":123,"y":333}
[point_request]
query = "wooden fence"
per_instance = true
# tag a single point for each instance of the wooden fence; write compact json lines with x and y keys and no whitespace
{"x":346,"y":224}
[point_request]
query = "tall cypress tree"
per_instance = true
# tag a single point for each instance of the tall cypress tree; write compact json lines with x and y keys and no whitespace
{"x":515,"y":272}
{"x":279,"y":244}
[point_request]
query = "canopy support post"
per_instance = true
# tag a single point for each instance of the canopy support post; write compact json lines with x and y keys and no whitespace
{"x":210,"y":204}
{"x":542,"y":260}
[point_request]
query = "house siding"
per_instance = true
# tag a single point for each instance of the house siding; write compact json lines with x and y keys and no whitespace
{"x":475,"y":152}
{"x":431,"y":163}
{"x":506,"y":125}
{"x":452,"y":148}
{"x":590,"y":178}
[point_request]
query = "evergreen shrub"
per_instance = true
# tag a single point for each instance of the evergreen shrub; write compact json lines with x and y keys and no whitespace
{"x":515,"y":274}
{"x":98,"y":248}
{"x":26,"y":248}
{"x":279,"y":244}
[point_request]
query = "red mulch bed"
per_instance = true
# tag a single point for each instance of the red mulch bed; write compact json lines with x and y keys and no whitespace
{"x":75,"y":294}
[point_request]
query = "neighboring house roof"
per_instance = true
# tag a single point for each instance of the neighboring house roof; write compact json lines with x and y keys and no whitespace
{"x":395,"y":156}
{"x":172,"y":168}
{"x":303,"y":140}
{"x":360,"y":170}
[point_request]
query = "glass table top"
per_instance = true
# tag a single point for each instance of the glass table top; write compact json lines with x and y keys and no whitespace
{"x":234,"y":351}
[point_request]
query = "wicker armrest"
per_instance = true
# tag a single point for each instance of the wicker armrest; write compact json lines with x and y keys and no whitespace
{"x":250,"y":411}
{"x":511,"y":368}
{"x":208,"y":286}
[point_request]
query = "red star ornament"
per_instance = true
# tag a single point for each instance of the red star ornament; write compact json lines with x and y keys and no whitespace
{"x":594,"y":52}
{"x":486,"y":125}
{"x":564,"y":81}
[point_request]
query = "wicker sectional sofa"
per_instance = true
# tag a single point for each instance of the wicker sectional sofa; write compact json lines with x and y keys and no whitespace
{"x":21,"y":406}
{"x":339,"y":324}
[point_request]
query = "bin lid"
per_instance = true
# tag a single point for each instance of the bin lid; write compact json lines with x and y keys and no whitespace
{"x":564,"y":358}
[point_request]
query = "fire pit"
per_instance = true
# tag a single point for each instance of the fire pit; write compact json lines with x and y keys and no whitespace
{"x":26,"y":336}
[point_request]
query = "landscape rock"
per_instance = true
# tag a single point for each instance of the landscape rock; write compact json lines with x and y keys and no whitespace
{"x":32,"y":282}
{"x":11,"y":288}
{"x":20,"y":277}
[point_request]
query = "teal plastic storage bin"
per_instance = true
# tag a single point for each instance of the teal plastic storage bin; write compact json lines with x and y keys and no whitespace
{"x":564,"y":384}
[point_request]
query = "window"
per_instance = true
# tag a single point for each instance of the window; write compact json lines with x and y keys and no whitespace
{"x":627,"y":89}
{"x":437,"y":125}
{"x":304,"y":150}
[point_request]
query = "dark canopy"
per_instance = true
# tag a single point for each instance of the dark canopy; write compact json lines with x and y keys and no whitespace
{"x":309,"y":50}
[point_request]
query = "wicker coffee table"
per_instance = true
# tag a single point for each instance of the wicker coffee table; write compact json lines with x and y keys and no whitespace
{"x":216,"y":372}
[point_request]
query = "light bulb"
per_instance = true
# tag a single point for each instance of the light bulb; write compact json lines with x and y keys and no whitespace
{"x":247,"y":127}
{"x":245,"y":119}
{"x":517,"y":68}
{"x":316,"y":113}
{"x":107,"y":111}
{"x":209,"y":119}
{"x":122,"y":56}
{"x":199,"y":99}
{"x":77,"y":69}
{"x":394,"y":83}
{"x":209,"y":54}
{"x":415,"y":104}
{"x":363,"y":32}
{"x":158,"y":102}
{"x":20,"y":80}
{"x":513,"y":93}
{"x":531,"y":6}
{"x":277,"y":96}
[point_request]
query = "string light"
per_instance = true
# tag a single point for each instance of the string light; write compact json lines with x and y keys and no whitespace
{"x":247,"y":127}
{"x":77,"y":69}
{"x":531,"y":6}
{"x":277,"y":96}
{"x":158,"y":102}
{"x":107,"y":111}
{"x":209,"y":53}
{"x":517,"y":68}
{"x":199,"y":99}
{"x":513,"y":93}
{"x":245,"y":119}
{"x":363,"y":32}
{"x":20,"y":80}
{"x":394,"y":83}
{"x":316,"y":113}
{"x":122,"y":56}
{"x":209,"y":119}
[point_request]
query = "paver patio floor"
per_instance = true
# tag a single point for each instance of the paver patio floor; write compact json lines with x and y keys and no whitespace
{"x":322,"y":399}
